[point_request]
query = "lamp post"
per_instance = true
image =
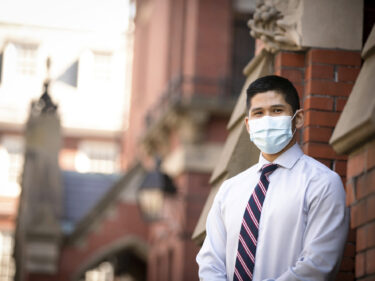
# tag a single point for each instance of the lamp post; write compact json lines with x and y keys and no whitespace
{"x":151,"y":194}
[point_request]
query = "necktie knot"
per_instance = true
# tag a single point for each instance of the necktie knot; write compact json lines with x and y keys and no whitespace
{"x":269,"y":168}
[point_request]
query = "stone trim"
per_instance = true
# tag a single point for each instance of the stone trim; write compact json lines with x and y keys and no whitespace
{"x":298,"y":24}
{"x":357,"y":121}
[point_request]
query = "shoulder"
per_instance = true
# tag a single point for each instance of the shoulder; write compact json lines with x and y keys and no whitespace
{"x":317,"y":169}
{"x":322,"y":180}
{"x":237,"y":180}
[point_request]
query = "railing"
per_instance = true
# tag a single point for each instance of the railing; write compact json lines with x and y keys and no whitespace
{"x":183,"y":89}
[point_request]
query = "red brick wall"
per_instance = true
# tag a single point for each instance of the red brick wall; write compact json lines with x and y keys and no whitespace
{"x":324,"y":79}
{"x":329,"y":79}
{"x":361,"y":198}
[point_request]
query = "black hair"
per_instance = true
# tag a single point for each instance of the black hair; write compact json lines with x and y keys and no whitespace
{"x":275,"y":83}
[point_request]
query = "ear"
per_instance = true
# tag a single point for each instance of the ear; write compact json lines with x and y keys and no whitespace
{"x":300,"y":117}
{"x":247,"y":124}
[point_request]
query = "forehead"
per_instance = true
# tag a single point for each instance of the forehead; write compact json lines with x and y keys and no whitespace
{"x":267,"y":99}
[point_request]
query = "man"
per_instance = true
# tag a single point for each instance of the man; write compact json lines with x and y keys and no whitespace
{"x":284,"y":218}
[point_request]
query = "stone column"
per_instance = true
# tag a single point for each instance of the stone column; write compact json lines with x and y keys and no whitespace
{"x":38,"y":226}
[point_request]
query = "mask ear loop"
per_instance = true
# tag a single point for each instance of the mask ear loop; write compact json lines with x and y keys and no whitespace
{"x":295,"y":129}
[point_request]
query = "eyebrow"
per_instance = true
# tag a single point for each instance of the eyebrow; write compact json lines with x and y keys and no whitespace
{"x":272,"y":106}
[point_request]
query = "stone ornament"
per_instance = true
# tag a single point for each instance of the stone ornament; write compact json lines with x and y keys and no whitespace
{"x":275,"y":22}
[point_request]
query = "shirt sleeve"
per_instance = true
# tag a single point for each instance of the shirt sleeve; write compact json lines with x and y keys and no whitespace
{"x":326,"y":232}
{"x":211,"y":257}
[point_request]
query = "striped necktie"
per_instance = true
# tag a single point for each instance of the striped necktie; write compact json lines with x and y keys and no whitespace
{"x":247,"y":244}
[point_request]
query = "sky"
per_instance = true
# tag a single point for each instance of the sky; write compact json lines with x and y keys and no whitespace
{"x":93,"y":15}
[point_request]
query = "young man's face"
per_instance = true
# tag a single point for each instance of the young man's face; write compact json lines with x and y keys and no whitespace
{"x":272,"y":103}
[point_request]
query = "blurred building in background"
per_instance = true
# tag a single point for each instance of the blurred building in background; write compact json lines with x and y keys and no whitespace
{"x":178,"y":137}
{"x":187,"y":74}
{"x":187,"y":65}
{"x":90,"y":84}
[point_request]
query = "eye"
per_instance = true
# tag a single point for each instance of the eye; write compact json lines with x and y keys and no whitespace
{"x":278,"y":110}
{"x":257,"y":113}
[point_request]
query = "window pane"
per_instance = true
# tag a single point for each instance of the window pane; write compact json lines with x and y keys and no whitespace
{"x":98,"y":157}
{"x":102,"y":67}
{"x":6,"y":259}
{"x":26,"y":59}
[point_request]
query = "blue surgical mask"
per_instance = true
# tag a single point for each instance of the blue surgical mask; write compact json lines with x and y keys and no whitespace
{"x":271,"y":134}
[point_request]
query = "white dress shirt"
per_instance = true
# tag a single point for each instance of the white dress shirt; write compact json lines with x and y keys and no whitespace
{"x":303,"y":225}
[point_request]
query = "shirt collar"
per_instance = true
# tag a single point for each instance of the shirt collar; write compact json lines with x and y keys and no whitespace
{"x":286,"y":160}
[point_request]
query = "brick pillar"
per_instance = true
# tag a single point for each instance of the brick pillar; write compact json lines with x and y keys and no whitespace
{"x":361,"y":198}
{"x":324,"y":80}
{"x":329,"y":78}
{"x":291,"y":65}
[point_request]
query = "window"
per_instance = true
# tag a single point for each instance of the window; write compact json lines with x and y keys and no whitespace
{"x":6,"y":259}
{"x":102,"y":66}
{"x":15,"y":166}
{"x":104,"y":272}
{"x":11,"y":165}
{"x":26,"y":59}
{"x":97,"y":157}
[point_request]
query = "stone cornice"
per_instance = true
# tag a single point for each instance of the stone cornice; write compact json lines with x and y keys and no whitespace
{"x":299,"y":24}
{"x":357,"y":121}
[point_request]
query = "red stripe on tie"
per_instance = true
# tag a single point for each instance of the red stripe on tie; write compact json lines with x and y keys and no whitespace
{"x":237,"y":274}
{"x":256,"y":200}
{"x":247,"y":250}
{"x":253,"y":218}
{"x":249,"y":232}
{"x":244,"y":265}
{"x":262,"y":188}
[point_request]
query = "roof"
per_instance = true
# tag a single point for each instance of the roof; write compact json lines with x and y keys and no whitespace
{"x":123,"y":190}
{"x":81,"y":192}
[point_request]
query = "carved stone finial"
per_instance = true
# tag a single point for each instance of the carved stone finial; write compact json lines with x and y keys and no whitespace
{"x":45,"y":104}
{"x":46,"y":101}
{"x":275,"y":23}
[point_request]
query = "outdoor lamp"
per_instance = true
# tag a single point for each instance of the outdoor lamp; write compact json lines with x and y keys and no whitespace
{"x":151,"y":194}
